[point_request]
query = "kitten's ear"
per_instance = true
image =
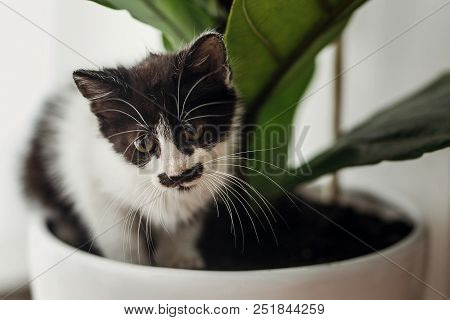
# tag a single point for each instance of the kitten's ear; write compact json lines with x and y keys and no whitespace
{"x":208,"y":55}
{"x":95,"y":85}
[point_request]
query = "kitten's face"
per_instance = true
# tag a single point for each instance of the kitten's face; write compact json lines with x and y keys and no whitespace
{"x":169,"y":115}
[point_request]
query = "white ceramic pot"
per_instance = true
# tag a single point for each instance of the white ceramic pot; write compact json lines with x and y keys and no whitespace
{"x":60,"y":272}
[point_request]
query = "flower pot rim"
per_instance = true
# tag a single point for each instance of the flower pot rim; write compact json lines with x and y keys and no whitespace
{"x":387,"y":196}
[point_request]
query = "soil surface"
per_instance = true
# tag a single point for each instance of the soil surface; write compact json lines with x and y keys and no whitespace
{"x":301,"y":234}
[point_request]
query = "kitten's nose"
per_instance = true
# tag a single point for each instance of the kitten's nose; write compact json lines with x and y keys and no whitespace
{"x":186,"y":176}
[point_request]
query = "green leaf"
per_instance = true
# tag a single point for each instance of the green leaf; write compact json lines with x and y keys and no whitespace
{"x":406,"y":130}
{"x":180,"y":21}
{"x":272,"y":45}
{"x":211,"y":6}
{"x":167,"y":43}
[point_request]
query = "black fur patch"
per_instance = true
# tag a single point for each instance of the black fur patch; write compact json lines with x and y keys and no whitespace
{"x":40,"y":185}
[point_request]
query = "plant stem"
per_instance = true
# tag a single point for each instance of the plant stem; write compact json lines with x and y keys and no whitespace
{"x":337,"y":111}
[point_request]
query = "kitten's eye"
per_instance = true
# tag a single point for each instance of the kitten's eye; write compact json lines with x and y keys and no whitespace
{"x":193,"y":133}
{"x":144,"y":144}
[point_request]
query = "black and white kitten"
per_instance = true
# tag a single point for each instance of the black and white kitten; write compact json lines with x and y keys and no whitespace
{"x":136,"y":154}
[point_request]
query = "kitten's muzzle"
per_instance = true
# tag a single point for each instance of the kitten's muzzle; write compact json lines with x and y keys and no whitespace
{"x":188,"y":175}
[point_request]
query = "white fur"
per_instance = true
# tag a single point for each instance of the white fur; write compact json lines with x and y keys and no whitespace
{"x":107,"y":190}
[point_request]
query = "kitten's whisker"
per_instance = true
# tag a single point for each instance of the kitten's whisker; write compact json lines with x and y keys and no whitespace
{"x":212,"y":194}
{"x":161,"y":107}
{"x":263,"y":199}
{"x":176,"y":103}
{"x":139,"y":227}
{"x":206,"y":105}
{"x":254,"y":189}
{"x":118,"y":210}
{"x":208,"y":116}
{"x":240,"y":185}
{"x":149,"y":242}
{"x":124,"y":132}
{"x":265,"y":162}
{"x":132,"y":142}
{"x":227,"y":205}
{"x":194,"y":86}
{"x":128,"y":216}
{"x":286,"y":192}
{"x":237,"y":213}
{"x":238,"y":197}
{"x":155,"y":193}
{"x":161,"y":219}
{"x":123,"y":112}
{"x":130,"y":220}
{"x":152,"y":202}
{"x":232,"y":154}
{"x":238,"y":216}
{"x":151,"y":209}
{"x":130,"y":231}
{"x":138,"y":238}
{"x":180,"y":74}
{"x":127,"y":241}
{"x":130,"y":105}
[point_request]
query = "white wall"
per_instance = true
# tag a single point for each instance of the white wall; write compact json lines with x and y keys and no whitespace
{"x":101,"y":37}
{"x":32,"y":63}
{"x":26,"y":65}
{"x":407,"y":63}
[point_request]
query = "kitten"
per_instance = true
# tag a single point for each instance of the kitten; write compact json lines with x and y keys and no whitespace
{"x":137,"y":156}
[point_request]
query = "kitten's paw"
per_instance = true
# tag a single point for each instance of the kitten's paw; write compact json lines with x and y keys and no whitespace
{"x":187,"y":259}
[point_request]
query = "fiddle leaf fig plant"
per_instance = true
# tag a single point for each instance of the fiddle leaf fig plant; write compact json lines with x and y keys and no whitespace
{"x":179,"y":21}
{"x":406,"y":130}
{"x":272,"y":45}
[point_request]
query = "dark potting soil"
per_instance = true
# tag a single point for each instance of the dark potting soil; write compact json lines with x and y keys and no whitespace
{"x":307,"y":234}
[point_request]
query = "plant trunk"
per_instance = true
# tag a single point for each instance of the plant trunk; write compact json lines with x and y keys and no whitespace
{"x":337,"y":111}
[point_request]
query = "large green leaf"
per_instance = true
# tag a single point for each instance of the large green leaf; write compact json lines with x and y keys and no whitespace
{"x":406,"y":130}
{"x":272,"y":45}
{"x":180,"y":21}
